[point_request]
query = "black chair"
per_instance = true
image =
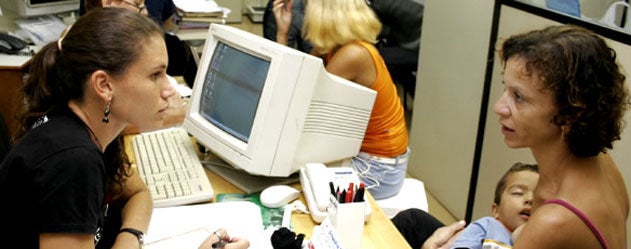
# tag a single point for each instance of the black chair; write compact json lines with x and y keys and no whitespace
{"x":181,"y":59}
{"x":5,"y":142}
{"x":400,"y":39}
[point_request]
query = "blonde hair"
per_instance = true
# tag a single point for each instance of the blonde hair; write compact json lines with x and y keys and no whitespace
{"x":329,"y":24}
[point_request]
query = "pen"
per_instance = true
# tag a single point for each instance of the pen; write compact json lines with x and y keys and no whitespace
{"x":359,"y":196}
{"x":221,"y":243}
{"x":332,"y":188}
{"x":349,"y":193}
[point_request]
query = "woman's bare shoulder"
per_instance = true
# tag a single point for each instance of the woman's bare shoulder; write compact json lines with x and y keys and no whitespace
{"x":555,"y":226}
{"x":353,"y":62}
{"x":352,"y":52}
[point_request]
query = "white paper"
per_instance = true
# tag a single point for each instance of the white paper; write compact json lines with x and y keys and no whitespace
{"x":203,"y":6}
{"x":325,"y":236}
{"x":188,"y":226}
{"x":182,"y":89}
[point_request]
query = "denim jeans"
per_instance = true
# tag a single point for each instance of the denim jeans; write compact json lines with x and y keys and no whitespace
{"x":382,"y":176}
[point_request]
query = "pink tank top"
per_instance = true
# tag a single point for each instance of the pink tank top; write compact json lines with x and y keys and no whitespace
{"x":583,"y":217}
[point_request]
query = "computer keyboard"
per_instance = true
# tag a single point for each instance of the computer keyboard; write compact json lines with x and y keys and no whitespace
{"x":168,"y":163}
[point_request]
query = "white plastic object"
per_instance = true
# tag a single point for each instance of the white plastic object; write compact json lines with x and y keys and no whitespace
{"x":609,"y":18}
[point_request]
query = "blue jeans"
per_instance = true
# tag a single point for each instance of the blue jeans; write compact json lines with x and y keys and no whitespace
{"x":382,"y":176}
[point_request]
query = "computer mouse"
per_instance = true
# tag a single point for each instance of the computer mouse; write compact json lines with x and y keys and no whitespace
{"x":278,"y":195}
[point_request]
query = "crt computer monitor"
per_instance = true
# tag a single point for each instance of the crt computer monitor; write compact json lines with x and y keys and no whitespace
{"x":269,"y":109}
{"x":27,"y":8}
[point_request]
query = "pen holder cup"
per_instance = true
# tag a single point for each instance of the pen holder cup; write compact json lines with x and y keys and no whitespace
{"x":348,"y":220}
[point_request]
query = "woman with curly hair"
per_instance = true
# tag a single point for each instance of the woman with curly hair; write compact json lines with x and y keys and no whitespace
{"x":564,"y":99}
{"x":343,"y":34}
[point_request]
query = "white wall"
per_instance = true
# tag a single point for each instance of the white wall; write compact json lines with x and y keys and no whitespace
{"x":448,"y":95}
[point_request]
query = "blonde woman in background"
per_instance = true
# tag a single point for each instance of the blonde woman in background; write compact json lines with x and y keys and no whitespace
{"x":342,"y":34}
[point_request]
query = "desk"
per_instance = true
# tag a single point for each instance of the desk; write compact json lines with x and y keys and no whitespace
{"x":379,"y":231}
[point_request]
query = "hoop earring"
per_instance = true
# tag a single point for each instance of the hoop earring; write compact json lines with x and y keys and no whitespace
{"x":106,"y":113}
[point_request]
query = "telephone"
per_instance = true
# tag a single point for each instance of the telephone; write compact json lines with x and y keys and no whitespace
{"x":10,"y":44}
{"x":315,"y":178}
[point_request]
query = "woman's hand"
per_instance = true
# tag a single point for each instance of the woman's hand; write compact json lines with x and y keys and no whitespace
{"x":445,"y":236}
{"x":282,"y":16}
{"x":222,"y":235}
{"x":176,"y":112}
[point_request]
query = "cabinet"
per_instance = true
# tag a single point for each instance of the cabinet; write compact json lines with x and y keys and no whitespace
{"x":11,"y":78}
{"x":235,"y":6}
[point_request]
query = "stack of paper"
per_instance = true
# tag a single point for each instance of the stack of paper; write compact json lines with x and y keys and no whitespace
{"x":199,"y":13}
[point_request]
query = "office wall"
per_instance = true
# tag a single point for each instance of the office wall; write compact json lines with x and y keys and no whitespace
{"x":448,"y":95}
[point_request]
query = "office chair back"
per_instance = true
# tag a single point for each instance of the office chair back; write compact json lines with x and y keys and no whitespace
{"x":5,"y":144}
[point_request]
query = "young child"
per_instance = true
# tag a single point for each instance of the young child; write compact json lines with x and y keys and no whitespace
{"x":511,"y":208}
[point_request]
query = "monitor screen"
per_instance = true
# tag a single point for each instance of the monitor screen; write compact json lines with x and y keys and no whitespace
{"x":232,"y":89}
{"x":268,"y":109}
{"x":27,"y":8}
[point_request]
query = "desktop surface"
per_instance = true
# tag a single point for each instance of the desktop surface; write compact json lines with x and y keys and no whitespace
{"x":379,"y":231}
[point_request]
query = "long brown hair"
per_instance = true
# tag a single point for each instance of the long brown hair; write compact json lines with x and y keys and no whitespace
{"x":104,"y":39}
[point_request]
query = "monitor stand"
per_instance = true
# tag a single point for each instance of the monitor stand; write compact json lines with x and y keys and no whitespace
{"x":245,"y":181}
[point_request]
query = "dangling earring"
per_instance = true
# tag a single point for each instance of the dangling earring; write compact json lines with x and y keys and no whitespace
{"x":106,"y":112}
{"x":562,"y":132}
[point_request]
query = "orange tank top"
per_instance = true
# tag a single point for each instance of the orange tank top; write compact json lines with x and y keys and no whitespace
{"x":386,"y":134}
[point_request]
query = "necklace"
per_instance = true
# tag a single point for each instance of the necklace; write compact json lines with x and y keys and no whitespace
{"x":94,"y":138}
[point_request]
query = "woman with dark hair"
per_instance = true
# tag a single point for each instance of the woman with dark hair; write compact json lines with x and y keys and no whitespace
{"x":564,"y":99}
{"x":176,"y":50}
{"x":68,"y":171}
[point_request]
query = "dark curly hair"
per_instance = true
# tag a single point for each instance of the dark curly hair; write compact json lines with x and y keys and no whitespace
{"x":581,"y":70}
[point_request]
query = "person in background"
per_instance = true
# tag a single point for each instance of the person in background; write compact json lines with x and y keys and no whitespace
{"x":161,"y":11}
{"x":68,"y":176}
{"x":180,"y":55}
{"x":398,"y":41}
{"x":294,"y":34}
{"x":133,"y":5}
{"x":177,"y":105}
{"x":565,"y":99}
{"x":342,"y":34}
{"x":511,"y":208}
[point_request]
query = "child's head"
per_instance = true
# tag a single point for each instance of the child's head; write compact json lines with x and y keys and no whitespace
{"x":514,"y":193}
